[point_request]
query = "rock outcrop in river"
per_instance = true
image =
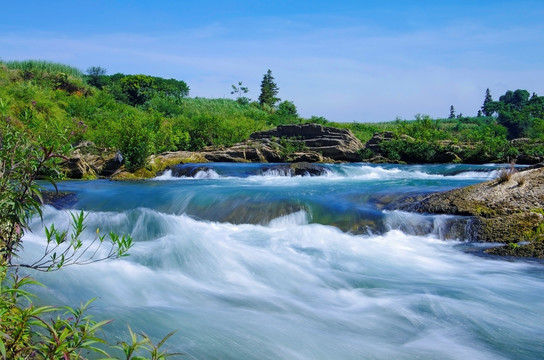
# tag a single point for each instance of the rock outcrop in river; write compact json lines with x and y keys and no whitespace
{"x":293,"y":143}
{"x":509,"y":210}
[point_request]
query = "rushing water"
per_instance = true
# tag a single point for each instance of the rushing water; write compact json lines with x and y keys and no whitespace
{"x":247,"y":263}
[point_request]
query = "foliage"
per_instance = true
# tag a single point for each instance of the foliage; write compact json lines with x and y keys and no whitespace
{"x":240,"y":91}
{"x":137,"y":88}
{"x":269,"y":90}
{"x":286,"y":114}
{"x":39,"y":66}
{"x":142,"y":115}
{"x":64,"y":250}
{"x":21,"y":163}
{"x":520,"y":114}
{"x":96,"y":76}
{"x":505,"y":174}
{"x":291,"y":145}
{"x":28,"y":331}
{"x":414,"y":151}
{"x":135,"y":142}
{"x":139,"y":342}
{"x":487,"y":108}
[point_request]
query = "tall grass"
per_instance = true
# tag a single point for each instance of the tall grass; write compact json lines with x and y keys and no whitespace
{"x":43,"y":66}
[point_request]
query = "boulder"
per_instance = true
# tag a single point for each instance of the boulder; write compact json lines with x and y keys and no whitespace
{"x":509,"y":209}
{"x":88,"y":161}
{"x":188,"y":170}
{"x":157,"y":164}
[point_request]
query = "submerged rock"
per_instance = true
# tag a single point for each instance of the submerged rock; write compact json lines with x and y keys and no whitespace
{"x":59,"y":199}
{"x":188,"y":170}
{"x":296,"y":169}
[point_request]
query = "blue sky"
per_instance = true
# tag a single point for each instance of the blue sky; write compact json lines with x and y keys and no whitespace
{"x":345,"y":60}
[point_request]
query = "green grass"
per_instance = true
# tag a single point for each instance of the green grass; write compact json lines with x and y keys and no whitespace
{"x":43,"y":66}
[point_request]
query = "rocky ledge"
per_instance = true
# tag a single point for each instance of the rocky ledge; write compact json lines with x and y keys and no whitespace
{"x":293,"y":143}
{"x":508,"y":210}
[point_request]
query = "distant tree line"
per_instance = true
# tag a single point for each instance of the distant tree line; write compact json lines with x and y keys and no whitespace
{"x":519,"y":112}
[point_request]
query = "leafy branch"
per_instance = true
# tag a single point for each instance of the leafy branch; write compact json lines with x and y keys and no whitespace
{"x":63,"y":250}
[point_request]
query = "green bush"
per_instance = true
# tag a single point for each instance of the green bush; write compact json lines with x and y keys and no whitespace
{"x":135,"y":143}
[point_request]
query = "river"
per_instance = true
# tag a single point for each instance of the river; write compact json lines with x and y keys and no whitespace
{"x":248,"y":263}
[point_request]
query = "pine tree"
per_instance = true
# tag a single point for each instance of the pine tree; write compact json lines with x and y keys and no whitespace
{"x":452,"y":113}
{"x":487,"y":101}
{"x":269,"y":90}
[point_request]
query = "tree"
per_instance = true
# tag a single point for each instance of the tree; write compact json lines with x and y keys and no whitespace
{"x":286,"y":113}
{"x":515,"y":100}
{"x":452,"y":112}
{"x":488,"y":100}
{"x":137,"y":88}
{"x":239,"y":91}
{"x":96,"y":74}
{"x":171,"y":87}
{"x":514,"y":113}
{"x":269,"y":90}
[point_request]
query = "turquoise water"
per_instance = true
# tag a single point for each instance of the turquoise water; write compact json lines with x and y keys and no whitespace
{"x":247,"y":263}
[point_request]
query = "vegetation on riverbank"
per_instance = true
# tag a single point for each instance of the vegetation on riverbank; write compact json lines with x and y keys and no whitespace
{"x":28,"y":329}
{"x":142,"y":115}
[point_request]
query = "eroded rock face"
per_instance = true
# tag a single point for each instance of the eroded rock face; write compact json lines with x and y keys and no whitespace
{"x":87,"y":161}
{"x":248,"y":151}
{"x":333,"y":143}
{"x":293,"y":143}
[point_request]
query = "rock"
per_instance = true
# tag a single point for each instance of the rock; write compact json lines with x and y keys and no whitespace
{"x":312,"y":157}
{"x":522,"y":192}
{"x":188,"y":170}
{"x":157,"y":164}
{"x":292,"y":143}
{"x":76,"y":167}
{"x":374,"y":143}
{"x":87,"y":161}
{"x":332,"y":143}
{"x":504,"y":228}
{"x":509,"y":209}
{"x":524,"y":159}
{"x":59,"y":199}
{"x":297,"y":169}
{"x":447,"y":157}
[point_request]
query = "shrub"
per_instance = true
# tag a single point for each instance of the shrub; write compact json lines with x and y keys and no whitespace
{"x":505,"y":174}
{"x":135,"y":143}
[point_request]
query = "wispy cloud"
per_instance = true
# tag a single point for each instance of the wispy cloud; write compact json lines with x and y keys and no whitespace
{"x":345,"y":72}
